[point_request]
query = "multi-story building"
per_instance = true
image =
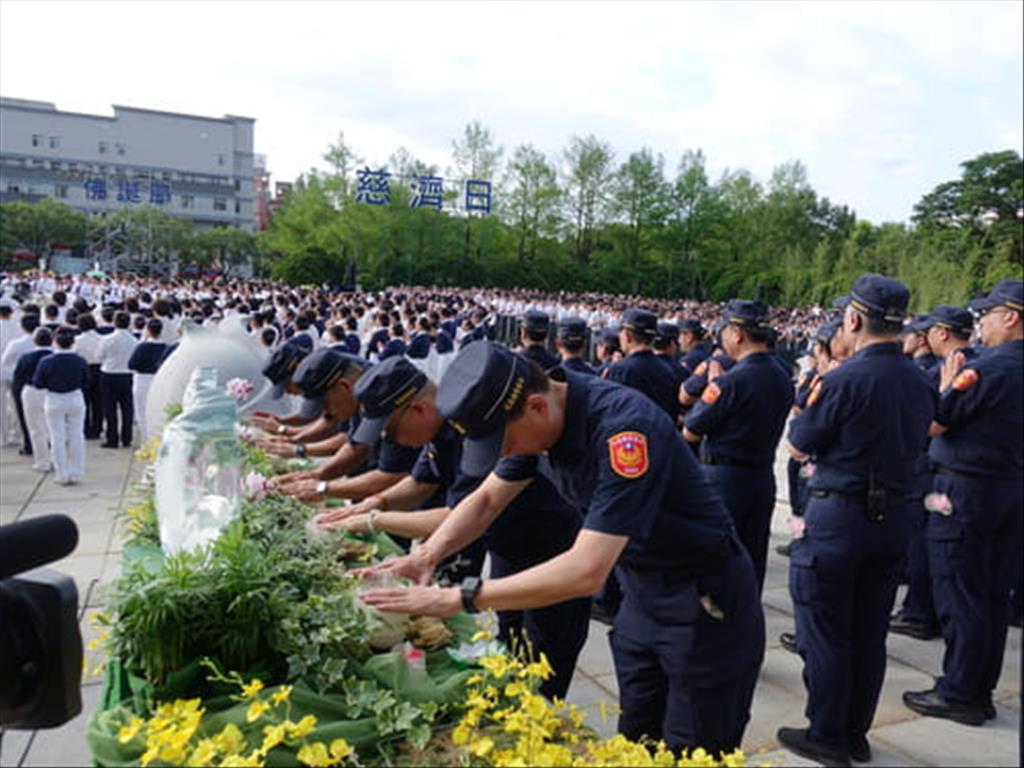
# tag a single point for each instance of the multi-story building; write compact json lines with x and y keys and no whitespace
{"x":193,"y":167}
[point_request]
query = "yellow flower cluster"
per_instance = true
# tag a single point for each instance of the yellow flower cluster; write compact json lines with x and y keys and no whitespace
{"x":171,"y":734}
{"x":139,"y":517}
{"x":506,"y":723}
{"x":148,"y":451}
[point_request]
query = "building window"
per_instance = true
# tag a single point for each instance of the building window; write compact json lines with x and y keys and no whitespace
{"x":187,"y":201}
{"x":54,"y":142}
{"x":120,"y":148}
{"x":103,"y":147}
{"x":220,"y":159}
{"x":37,"y":139}
{"x":220,"y":204}
{"x":166,"y":175}
{"x":13,"y":188}
{"x":238,"y":206}
{"x":60,"y":190}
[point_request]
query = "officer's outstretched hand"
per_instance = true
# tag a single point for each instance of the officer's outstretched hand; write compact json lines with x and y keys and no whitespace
{"x":441,"y":602}
{"x":331,"y":518}
{"x":415,"y":566}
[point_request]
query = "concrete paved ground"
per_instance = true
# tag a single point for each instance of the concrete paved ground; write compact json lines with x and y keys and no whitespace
{"x":899,"y":737}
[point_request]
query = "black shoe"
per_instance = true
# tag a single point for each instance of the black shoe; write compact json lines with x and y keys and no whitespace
{"x":24,"y":452}
{"x":919,"y":630}
{"x":126,"y":445}
{"x":788,"y":641}
{"x":783,"y":549}
{"x":109,"y":445}
{"x":931,"y":704}
{"x":988,"y":708}
{"x":796,"y":740}
{"x":860,"y":749}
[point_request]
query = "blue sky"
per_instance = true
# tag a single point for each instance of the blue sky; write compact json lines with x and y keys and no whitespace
{"x":881,"y":101}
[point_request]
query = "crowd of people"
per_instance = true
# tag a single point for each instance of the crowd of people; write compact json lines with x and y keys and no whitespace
{"x":631,"y":480}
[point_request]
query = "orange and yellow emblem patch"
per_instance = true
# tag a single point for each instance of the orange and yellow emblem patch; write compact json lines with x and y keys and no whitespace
{"x":711,"y":393}
{"x":815,"y":393}
{"x":966,"y":379}
{"x":627,"y":452}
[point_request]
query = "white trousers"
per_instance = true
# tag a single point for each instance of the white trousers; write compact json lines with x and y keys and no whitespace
{"x":9,"y":429}
{"x":32,"y":401}
{"x":65,"y":419}
{"x":140,"y":391}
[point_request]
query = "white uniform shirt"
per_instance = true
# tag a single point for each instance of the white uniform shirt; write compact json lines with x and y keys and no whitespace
{"x":12,"y":353}
{"x":114,"y":351}
{"x":88,"y":346}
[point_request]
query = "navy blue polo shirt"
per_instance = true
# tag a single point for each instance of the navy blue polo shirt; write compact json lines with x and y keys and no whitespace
{"x":742,"y":412}
{"x":696,"y":356}
{"x":578,"y":365}
{"x":61,"y":372}
{"x":643,"y":371}
{"x":537,"y":525}
{"x":868,"y":417}
{"x":25,"y":370}
{"x":675,"y":370}
{"x":419,"y":346}
{"x":443,"y":343}
{"x":147,"y":357}
{"x":393,"y":348}
{"x":984,"y":413}
{"x":378,"y":339}
{"x":539,"y":354}
{"x":387,"y":455}
{"x":621,"y":459}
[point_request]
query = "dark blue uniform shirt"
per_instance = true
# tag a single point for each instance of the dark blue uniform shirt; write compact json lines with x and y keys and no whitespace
{"x":696,"y":382}
{"x":26,"y":367}
{"x":743,"y":411}
{"x":61,"y":372}
{"x":443,"y":342}
{"x":643,"y":371}
{"x":578,"y":365}
{"x":419,"y":346}
{"x":984,"y":413}
{"x":690,"y":360}
{"x":377,"y":340}
{"x":537,"y":525}
{"x":866,"y":419}
{"x":394,"y":348}
{"x":621,"y":458}
{"x":147,"y":356}
{"x":539,"y":354}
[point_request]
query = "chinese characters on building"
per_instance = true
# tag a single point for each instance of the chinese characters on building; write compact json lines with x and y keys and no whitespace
{"x":128,"y":191}
{"x":374,"y":187}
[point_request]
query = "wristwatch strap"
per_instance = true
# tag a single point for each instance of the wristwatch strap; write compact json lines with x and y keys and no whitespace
{"x":321,"y":488}
{"x":469,"y":588}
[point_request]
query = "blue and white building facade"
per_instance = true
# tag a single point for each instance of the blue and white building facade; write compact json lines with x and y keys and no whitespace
{"x":193,"y":167}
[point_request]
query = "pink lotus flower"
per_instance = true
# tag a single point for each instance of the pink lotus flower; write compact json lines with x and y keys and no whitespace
{"x":245,"y":433}
{"x":239,"y":389}
{"x":255,"y":485}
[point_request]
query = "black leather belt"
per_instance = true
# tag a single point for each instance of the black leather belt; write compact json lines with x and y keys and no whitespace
{"x":939,"y":469}
{"x":860,"y":497}
{"x":722,"y":461}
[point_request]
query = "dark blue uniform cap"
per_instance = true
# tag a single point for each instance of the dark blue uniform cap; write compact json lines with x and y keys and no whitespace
{"x":321,"y":370}
{"x":746,"y":314}
{"x":383,"y":389}
{"x":610,"y":336}
{"x":640,"y":322}
{"x":536,"y":322}
{"x":827,"y":332}
{"x":917,"y":324}
{"x":667,"y":332}
{"x":483,"y":384}
{"x":880,"y":297}
{"x":1008,"y":293}
{"x":572,"y":329}
{"x":956,"y":319}
{"x":692,"y":325}
{"x":283,"y":362}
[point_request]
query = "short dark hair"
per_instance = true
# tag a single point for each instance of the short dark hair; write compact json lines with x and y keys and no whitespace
{"x":42,"y":337}
{"x":52,"y":310}
{"x":155,"y":326}
{"x":86,"y":322}
{"x":122,"y":320}
{"x":29,"y":322}
{"x":877,"y":326}
{"x":64,"y":337}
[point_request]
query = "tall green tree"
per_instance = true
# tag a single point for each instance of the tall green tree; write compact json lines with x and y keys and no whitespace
{"x":342,"y":161}
{"x":532,"y":199}
{"x":587,"y":176}
{"x":36,"y":227}
{"x":641,"y":198}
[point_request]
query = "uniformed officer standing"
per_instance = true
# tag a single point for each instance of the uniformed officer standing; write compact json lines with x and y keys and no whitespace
{"x":534,"y":335}
{"x":398,"y":401}
{"x":688,"y":639}
{"x":640,"y":369}
{"x":87,"y":344}
{"x":974,"y":529}
{"x":608,"y":350}
{"x":740,"y":417}
{"x":947,"y":329}
{"x":695,"y":348}
{"x":64,"y":376}
{"x":116,"y":381}
{"x":864,"y":426}
{"x":572,"y":340}
{"x":33,"y":399}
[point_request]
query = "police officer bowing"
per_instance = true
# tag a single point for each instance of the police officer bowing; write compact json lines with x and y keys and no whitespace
{"x":688,"y":639}
{"x":864,"y":425}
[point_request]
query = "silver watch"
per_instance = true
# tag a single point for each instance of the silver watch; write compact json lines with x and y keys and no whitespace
{"x":321,"y":488}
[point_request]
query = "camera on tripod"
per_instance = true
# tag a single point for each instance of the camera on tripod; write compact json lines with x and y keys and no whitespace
{"x":40,"y":643}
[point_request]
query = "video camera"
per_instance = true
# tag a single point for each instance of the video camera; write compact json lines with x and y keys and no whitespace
{"x":40,"y":643}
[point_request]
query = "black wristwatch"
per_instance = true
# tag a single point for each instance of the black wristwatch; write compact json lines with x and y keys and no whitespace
{"x":300,"y":450}
{"x":470,"y":588}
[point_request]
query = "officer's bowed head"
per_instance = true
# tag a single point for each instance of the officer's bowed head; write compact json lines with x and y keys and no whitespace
{"x":382,"y":390}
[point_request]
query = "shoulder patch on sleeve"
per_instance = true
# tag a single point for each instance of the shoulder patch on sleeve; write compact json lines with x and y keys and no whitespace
{"x":815,"y":393}
{"x":711,"y":393}
{"x":627,"y":453}
{"x":702,"y":368}
{"x":966,"y":379}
